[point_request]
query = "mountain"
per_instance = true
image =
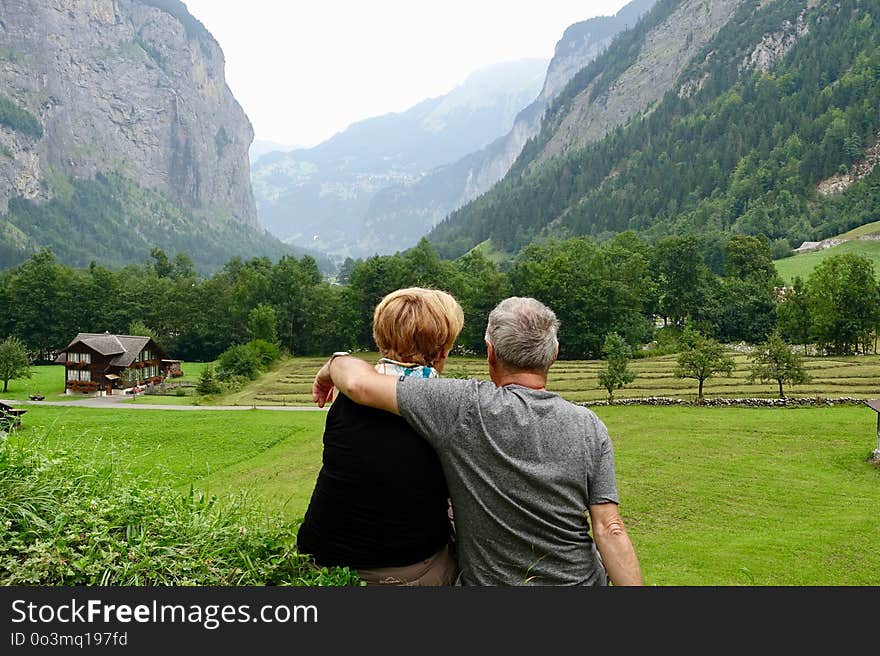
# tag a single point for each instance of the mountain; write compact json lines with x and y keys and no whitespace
{"x":318,"y":196}
{"x":261,"y":146}
{"x":707,"y":118}
{"x":412,"y":209}
{"x":121,"y":107}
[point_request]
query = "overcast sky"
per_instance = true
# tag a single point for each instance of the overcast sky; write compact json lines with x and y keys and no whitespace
{"x":304,"y":70}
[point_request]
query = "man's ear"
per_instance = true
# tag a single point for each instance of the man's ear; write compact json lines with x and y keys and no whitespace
{"x":490,"y":352}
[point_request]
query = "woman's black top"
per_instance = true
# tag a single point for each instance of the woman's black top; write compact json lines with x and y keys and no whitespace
{"x":380,"y":499}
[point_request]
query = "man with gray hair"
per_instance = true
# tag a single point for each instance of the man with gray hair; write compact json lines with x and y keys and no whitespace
{"x":529,"y":472}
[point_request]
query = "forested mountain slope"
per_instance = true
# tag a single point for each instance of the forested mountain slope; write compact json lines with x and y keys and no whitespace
{"x":767,"y":125}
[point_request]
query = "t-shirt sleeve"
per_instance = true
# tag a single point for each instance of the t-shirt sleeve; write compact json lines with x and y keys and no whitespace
{"x":432,"y":406}
{"x":602,"y":480}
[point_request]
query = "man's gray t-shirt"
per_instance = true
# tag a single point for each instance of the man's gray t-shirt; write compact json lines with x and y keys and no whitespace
{"x":522,"y":466}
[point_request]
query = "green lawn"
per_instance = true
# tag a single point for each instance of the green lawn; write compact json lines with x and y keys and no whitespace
{"x":711,"y":496}
{"x":802,"y":265}
{"x":47,"y":380}
{"x":275,"y":455}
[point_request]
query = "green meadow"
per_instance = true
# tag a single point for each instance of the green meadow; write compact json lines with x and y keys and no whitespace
{"x":802,"y":265}
{"x":710,"y":496}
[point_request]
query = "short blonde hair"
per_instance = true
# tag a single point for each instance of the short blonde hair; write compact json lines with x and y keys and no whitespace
{"x":417,"y":324}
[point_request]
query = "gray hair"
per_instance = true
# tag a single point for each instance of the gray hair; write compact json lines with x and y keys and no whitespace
{"x":523,"y":333}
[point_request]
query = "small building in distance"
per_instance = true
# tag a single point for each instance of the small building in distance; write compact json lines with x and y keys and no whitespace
{"x":95,"y":362}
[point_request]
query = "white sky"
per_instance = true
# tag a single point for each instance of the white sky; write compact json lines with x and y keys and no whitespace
{"x":304,"y":70}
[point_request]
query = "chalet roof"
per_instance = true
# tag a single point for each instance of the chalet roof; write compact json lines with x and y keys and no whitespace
{"x":874,"y":404}
{"x":124,"y":348}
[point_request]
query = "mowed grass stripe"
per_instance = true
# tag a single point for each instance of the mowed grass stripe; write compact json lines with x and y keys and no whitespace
{"x":859,"y":377}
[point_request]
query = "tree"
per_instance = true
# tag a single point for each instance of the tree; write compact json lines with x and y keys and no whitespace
{"x":844,"y":303}
{"x":161,"y":266}
{"x":139,"y":329}
{"x":747,"y":257}
{"x":793,"y":314}
{"x":262,"y":323}
{"x":14,"y":361}
{"x":593,"y":290}
{"x":701,"y":358}
{"x":616,"y":373}
{"x":682,"y":276}
{"x":775,"y":360}
{"x":208,"y":383}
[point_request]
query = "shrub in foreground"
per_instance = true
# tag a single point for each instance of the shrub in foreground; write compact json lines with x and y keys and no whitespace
{"x":67,"y":523}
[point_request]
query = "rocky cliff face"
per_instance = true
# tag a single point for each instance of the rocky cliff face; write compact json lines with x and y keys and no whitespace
{"x":134,"y":87}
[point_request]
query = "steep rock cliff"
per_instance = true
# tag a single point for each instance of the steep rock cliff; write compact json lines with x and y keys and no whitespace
{"x":129,"y":87}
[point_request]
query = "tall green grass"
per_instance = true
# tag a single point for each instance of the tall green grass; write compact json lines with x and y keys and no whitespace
{"x":69,"y":521}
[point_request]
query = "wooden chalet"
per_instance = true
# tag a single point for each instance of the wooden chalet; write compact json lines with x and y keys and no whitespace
{"x":96,"y":362}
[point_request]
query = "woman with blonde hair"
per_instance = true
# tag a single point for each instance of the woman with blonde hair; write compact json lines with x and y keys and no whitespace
{"x":380,"y":505}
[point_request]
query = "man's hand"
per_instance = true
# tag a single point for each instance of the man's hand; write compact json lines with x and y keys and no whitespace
{"x":322,"y":388}
{"x":358,"y":380}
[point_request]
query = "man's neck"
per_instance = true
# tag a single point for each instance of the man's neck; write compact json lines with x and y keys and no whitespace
{"x":522,"y":378}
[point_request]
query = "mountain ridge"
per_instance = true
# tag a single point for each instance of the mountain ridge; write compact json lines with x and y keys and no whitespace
{"x":749,"y":130}
{"x":418,"y":206}
{"x":322,"y":192}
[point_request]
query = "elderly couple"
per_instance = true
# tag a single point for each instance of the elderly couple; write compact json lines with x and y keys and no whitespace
{"x":432,"y":481}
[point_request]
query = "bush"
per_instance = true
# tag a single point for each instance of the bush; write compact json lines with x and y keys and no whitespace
{"x":247,"y":360}
{"x":64,"y":522}
{"x":266,"y":352}
{"x":665,"y":343}
{"x":21,"y":120}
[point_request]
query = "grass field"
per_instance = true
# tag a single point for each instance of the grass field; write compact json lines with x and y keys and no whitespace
{"x":833,"y":377}
{"x":274,"y":455}
{"x":289,"y":382}
{"x":47,"y":380}
{"x":802,"y":265}
{"x":710,"y":496}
